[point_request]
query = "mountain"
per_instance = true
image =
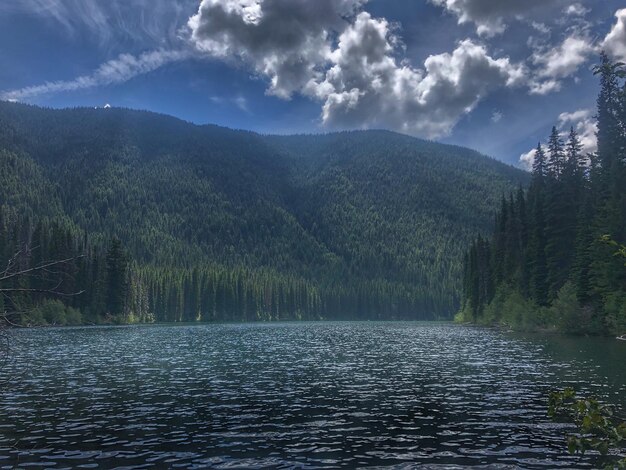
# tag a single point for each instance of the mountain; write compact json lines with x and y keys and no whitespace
{"x":367,"y":224}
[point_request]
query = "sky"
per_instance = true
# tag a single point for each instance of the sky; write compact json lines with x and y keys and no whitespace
{"x":493,"y":75}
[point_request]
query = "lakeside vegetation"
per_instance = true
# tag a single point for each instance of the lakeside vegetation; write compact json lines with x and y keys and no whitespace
{"x":555,"y":260}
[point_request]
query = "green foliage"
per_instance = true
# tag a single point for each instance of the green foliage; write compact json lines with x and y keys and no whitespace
{"x":73,"y":316}
{"x":513,"y":310}
{"x":117,"y":278}
{"x":228,"y":225}
{"x":598,"y":428}
{"x":53,"y":312}
{"x":555,"y":259}
{"x":621,"y":249}
{"x":615,"y":308}
{"x":568,"y":312}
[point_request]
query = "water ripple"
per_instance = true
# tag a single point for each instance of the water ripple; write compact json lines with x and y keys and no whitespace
{"x":283,"y":396}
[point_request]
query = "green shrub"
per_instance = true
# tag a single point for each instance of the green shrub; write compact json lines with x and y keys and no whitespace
{"x":570,"y":315}
{"x":73,"y":316}
{"x":615,"y":308}
{"x":464,"y":315}
{"x":510,"y":308}
{"x":519,"y":312}
{"x":53,"y":312}
{"x":34,"y":318}
{"x":494,"y":311}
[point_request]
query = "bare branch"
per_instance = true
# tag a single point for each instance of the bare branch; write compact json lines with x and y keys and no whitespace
{"x":44,"y":291}
{"x":7,"y":276}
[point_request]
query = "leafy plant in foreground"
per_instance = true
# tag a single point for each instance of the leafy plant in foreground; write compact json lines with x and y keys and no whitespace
{"x":598,"y":428}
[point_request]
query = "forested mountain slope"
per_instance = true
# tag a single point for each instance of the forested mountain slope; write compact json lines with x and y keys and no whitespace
{"x":221,"y":224}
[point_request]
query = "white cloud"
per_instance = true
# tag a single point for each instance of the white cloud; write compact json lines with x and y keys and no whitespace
{"x":491,"y":16}
{"x":565,"y":59}
{"x":559,"y":62}
{"x":119,"y":70}
{"x":332,"y":51}
{"x":239,"y":101}
{"x":366,"y":87}
{"x":288,"y":41}
{"x":544,"y":87}
{"x":527,"y":159}
{"x":496,"y":117}
{"x":615,"y":41}
{"x":242,"y":103}
{"x":576,"y":9}
{"x":583,"y":122}
{"x":141,"y":21}
{"x":540,"y":27}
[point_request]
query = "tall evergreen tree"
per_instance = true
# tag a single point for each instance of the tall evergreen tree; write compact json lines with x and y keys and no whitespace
{"x":540,"y":165}
{"x":117,"y":278}
{"x":575,"y":162}
{"x":556,"y":160}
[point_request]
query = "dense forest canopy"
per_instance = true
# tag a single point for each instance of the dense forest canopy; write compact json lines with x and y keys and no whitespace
{"x":180,"y":222}
{"x":554,"y":260}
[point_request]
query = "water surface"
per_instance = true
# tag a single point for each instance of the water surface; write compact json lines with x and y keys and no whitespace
{"x":304,"y":395}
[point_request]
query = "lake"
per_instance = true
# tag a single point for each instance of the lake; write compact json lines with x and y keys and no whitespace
{"x":304,"y":395}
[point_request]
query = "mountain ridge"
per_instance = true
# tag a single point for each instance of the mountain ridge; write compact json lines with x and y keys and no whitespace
{"x":262,"y":135}
{"x":345,"y":209}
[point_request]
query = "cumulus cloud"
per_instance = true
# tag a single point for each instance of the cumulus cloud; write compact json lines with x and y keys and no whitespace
{"x":565,"y":59}
{"x":583,"y":122}
{"x":556,"y":63}
{"x":544,"y":87}
{"x":527,"y":159}
{"x":288,"y":41}
{"x":332,"y":51}
{"x":615,"y":41}
{"x":118,"y":70}
{"x":490,"y":16}
{"x":368,"y":87}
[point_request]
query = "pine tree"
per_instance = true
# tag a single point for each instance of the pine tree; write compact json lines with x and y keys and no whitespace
{"x":558,"y":240}
{"x":556,"y":161}
{"x":540,"y":168}
{"x":117,"y":278}
{"x":575,"y":163}
{"x":608,"y":111}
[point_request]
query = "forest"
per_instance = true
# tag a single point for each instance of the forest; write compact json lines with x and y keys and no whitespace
{"x":555,"y":260}
{"x":164,"y":220}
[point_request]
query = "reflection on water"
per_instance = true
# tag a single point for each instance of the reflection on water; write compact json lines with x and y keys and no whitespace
{"x":294,"y":395}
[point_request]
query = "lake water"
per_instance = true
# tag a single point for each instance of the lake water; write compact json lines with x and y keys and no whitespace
{"x":294,"y":395}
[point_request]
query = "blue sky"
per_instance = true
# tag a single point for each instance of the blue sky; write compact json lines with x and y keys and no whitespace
{"x":493,"y":75}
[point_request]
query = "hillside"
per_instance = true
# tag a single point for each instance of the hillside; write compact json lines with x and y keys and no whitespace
{"x":369,"y":224}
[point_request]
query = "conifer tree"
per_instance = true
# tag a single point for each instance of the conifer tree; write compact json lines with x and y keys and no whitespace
{"x":540,"y":165}
{"x":117,"y":278}
{"x":556,"y":161}
{"x":575,"y":163}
